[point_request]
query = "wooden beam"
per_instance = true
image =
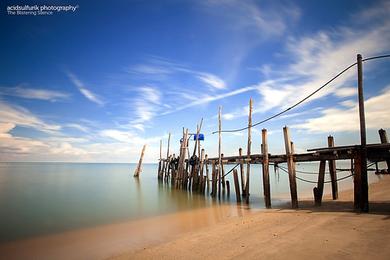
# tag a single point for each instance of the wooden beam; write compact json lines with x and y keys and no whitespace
{"x":332,"y":171}
{"x":291,"y":169}
{"x":266,"y":182}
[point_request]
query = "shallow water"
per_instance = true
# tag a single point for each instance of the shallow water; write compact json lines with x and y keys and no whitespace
{"x":43,"y":198}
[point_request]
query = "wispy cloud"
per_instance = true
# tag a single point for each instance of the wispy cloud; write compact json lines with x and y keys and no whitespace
{"x":212,"y":80}
{"x":34,"y":93}
{"x":20,"y":116}
{"x":84,"y":91}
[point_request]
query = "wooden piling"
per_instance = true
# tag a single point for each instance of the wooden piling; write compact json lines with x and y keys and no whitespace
{"x":202,"y":156}
{"x":266,"y":182}
{"x":248,"y":167}
{"x":357,"y":181}
{"x":138,"y":170}
{"x":228,"y":188}
{"x":332,"y":171}
{"x":181,"y":170}
{"x":319,"y":190}
{"x":242,"y":172}
{"x":219,"y":151}
{"x":291,"y":168}
{"x":160,"y":163}
{"x":223,"y":174}
{"x":384,"y":140}
{"x":236,"y":186}
{"x":363,"y":141}
{"x":207,"y":172}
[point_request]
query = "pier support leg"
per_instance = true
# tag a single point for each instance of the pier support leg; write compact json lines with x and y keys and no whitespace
{"x":319,"y":190}
{"x":236,"y":185}
{"x":291,"y":168}
{"x":266,"y":184}
{"x":332,"y":171}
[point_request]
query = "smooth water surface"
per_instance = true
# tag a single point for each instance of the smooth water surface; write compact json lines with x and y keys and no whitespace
{"x":43,"y":198}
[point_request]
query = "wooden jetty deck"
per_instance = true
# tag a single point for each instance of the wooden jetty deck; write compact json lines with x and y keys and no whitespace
{"x":192,"y":173}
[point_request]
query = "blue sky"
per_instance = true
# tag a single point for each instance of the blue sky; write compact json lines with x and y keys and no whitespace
{"x":96,"y":84}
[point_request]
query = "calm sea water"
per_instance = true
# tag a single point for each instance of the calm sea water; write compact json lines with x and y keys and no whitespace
{"x":43,"y":198}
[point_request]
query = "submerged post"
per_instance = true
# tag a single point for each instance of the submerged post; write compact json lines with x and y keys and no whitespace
{"x":138,"y":170}
{"x":332,"y":171}
{"x":236,"y":185}
{"x":248,"y":166}
{"x":363,"y":141}
{"x":266,"y":184}
{"x":291,"y":168}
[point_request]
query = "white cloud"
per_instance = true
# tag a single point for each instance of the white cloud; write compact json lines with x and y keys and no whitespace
{"x":22,"y":117}
{"x":333,"y":120}
{"x":84,"y":91}
{"x":34,"y":93}
{"x":346,"y":92}
{"x":212,"y":80}
{"x":78,"y":127}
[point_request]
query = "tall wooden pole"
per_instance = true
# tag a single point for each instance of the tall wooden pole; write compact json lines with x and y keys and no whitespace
{"x":291,"y":168}
{"x":219,"y":151}
{"x":248,"y":166}
{"x":266,"y":184}
{"x":363,"y":141}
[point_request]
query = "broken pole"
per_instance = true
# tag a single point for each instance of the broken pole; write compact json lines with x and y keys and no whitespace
{"x":138,"y":170}
{"x":266,"y":184}
{"x":248,"y":166}
{"x":291,"y":168}
{"x":332,"y":171}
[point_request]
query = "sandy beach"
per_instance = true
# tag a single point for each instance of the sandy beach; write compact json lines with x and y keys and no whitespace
{"x":330,"y":231}
{"x":228,"y":231}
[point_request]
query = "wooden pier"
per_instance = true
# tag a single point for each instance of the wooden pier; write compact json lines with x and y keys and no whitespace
{"x":191,"y":173}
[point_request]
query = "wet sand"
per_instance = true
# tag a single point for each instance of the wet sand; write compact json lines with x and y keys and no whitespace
{"x":228,"y":231}
{"x":332,"y":231}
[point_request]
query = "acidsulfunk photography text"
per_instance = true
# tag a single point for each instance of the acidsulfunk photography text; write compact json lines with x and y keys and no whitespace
{"x":40,"y":9}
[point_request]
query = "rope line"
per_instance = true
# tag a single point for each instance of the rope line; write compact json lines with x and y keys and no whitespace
{"x":305,"y":98}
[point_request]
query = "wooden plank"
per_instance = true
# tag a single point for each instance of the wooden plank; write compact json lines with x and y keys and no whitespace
{"x":138,"y":170}
{"x":384,"y":140}
{"x":236,"y":186}
{"x":319,"y":190}
{"x":332,"y":171}
{"x":266,"y":182}
{"x":248,"y":166}
{"x":291,"y":169}
{"x":242,"y":172}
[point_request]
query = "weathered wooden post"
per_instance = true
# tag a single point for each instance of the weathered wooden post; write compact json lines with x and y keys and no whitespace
{"x":236,"y":186}
{"x":207,"y":172}
{"x":138,"y":170}
{"x":181,"y":169}
{"x":248,"y":166}
{"x":363,"y":142}
{"x":332,"y":171}
{"x":266,"y":184}
{"x":160,"y":170}
{"x":219,"y":151}
{"x":223,"y":174}
{"x":383,"y":137}
{"x":319,"y":190}
{"x":214,"y":179}
{"x":291,"y":168}
{"x":202,"y":156}
{"x":242,"y":172}
{"x":228,"y":188}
